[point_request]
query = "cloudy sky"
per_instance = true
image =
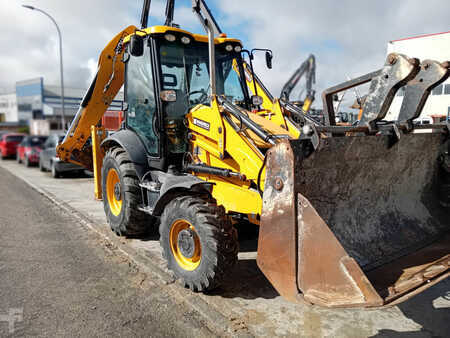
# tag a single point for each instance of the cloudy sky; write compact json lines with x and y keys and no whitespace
{"x":349,"y":38}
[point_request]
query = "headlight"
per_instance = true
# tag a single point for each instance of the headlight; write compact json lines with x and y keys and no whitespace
{"x":170,"y":37}
{"x":185,"y":40}
{"x":238,"y":49}
{"x":229,"y":48}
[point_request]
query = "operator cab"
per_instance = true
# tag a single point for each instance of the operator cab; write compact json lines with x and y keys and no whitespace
{"x":175,"y":64}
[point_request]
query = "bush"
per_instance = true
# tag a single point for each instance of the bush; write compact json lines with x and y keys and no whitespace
{"x":25,"y":130}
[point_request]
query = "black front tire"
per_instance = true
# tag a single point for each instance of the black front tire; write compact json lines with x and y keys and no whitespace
{"x":215,"y":233}
{"x":129,"y":220}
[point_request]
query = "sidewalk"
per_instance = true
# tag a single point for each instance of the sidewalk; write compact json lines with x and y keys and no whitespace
{"x":248,"y":304}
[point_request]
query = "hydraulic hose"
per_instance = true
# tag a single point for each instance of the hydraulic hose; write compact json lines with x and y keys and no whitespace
{"x":233,"y":110}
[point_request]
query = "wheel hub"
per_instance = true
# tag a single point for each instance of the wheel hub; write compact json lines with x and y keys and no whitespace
{"x":117,"y":191}
{"x":186,"y":243}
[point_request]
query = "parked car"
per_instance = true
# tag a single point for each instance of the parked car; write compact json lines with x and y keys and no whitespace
{"x":9,"y":143}
{"x":29,"y":149}
{"x":48,"y":161}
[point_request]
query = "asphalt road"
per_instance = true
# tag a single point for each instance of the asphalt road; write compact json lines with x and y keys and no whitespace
{"x":58,"y":279}
{"x":246,"y":305}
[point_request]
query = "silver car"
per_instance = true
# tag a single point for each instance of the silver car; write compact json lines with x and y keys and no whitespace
{"x":48,"y":161}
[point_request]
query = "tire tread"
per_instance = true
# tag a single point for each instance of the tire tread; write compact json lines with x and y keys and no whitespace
{"x":219,"y":235}
{"x":135,"y":222}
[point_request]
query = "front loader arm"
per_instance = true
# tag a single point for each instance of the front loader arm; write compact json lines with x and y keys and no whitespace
{"x":103,"y":89}
{"x":278,"y":113}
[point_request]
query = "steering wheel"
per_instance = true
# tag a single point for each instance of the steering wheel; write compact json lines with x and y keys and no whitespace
{"x":201,"y":99}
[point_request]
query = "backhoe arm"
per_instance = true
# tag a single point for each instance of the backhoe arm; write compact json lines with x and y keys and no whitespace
{"x":308,"y":67}
{"x":103,"y":89}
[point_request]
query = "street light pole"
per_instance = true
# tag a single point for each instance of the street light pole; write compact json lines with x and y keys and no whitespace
{"x":63,"y":115}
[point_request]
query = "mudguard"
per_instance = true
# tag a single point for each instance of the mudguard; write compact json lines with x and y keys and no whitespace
{"x":133,"y":145}
{"x":172,"y":185}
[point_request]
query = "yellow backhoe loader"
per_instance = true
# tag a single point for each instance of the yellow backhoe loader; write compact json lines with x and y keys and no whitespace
{"x":349,"y":216}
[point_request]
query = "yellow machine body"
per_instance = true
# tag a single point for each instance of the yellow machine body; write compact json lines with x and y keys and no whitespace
{"x":285,"y":184}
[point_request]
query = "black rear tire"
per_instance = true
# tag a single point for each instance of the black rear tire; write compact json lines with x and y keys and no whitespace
{"x":444,"y":195}
{"x":122,"y":202}
{"x":210,"y":229}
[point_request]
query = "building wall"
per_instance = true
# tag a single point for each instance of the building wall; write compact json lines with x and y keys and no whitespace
{"x":434,"y":47}
{"x":29,"y":98}
{"x":8,"y":108}
{"x":39,"y":127}
{"x":37,"y":101}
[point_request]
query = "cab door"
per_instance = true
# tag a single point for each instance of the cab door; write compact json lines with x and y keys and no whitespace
{"x":142,"y":104}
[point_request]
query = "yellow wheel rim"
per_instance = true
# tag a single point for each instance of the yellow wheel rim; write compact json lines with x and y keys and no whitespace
{"x":187,"y":263}
{"x":114,"y":196}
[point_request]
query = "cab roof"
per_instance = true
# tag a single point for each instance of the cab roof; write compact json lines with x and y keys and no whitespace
{"x":154,"y":30}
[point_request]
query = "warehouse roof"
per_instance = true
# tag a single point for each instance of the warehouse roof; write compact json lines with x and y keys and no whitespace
{"x":420,"y":36}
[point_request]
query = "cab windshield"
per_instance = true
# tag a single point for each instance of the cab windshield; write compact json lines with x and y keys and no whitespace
{"x":185,"y":69}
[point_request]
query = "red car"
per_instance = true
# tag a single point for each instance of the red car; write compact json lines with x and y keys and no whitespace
{"x":9,"y":143}
{"x":29,"y":149}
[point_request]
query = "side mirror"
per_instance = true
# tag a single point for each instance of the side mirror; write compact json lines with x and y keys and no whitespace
{"x":269,"y":57}
{"x":136,"y":45}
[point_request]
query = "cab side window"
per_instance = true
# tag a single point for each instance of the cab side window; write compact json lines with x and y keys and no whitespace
{"x":140,"y":96}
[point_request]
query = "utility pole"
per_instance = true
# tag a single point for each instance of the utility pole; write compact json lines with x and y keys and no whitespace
{"x":63,"y":115}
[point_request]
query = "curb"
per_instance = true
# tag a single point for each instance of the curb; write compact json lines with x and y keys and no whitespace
{"x":214,"y":320}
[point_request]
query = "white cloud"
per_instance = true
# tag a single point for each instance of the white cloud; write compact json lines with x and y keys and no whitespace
{"x":347,"y":37}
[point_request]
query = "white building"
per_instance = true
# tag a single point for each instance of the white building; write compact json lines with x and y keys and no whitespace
{"x":8,"y":108}
{"x":39,"y":105}
{"x":431,"y":46}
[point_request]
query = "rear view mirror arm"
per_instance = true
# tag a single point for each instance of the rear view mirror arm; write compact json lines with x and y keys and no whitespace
{"x":251,"y":57}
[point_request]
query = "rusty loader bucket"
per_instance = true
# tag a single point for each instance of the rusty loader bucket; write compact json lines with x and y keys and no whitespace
{"x":356,"y":223}
{"x":355,"y":219}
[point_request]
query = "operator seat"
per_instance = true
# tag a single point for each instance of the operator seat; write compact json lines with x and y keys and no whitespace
{"x":174,"y":123}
